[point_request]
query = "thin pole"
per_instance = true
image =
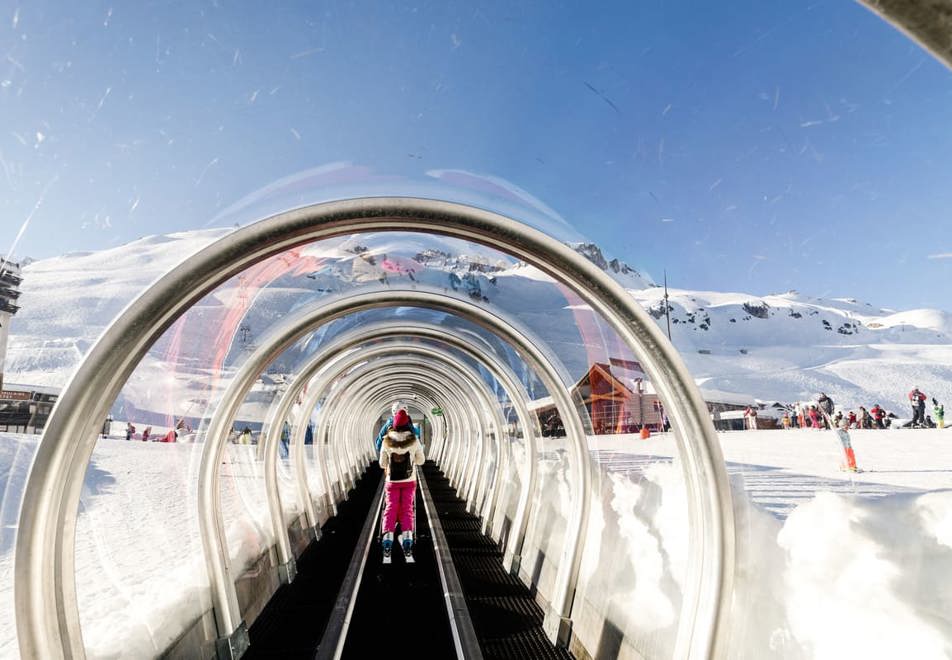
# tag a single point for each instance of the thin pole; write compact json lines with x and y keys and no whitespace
{"x":667,"y":315}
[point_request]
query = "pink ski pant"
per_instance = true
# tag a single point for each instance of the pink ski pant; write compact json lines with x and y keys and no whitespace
{"x":398,"y":505}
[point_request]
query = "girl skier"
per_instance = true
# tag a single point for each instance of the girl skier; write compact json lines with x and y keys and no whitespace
{"x":400,"y":453}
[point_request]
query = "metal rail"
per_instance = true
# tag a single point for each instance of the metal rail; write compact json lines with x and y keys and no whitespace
{"x":464,"y":403}
{"x":402,"y":374}
{"x":480,"y":475}
{"x":324,"y":424}
{"x":464,"y":635}
{"x":335,"y":633}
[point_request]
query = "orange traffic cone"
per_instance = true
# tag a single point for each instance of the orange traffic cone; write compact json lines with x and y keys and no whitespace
{"x":645,"y":433}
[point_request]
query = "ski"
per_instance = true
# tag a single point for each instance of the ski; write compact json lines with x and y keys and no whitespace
{"x":387,"y":547}
{"x":406,"y":543}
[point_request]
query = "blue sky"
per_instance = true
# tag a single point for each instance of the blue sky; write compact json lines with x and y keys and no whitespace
{"x":755,"y":146}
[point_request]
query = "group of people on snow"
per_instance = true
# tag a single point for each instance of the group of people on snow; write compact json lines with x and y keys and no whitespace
{"x":245,"y":436}
{"x":400,"y":452}
{"x":180,"y":428}
{"x":823,"y":415}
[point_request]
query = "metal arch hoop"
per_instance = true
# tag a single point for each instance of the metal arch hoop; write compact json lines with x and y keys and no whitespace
{"x":351,"y":339}
{"x":45,"y":597}
{"x":309,"y":405}
{"x":401,"y":377}
{"x":489,"y":404}
{"x":407,"y":376}
{"x":443,"y":335}
{"x":278,"y":339}
{"x":430,"y":400}
{"x":479,"y":392}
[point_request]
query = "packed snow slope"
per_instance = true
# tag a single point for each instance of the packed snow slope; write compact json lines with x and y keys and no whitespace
{"x":783,"y":347}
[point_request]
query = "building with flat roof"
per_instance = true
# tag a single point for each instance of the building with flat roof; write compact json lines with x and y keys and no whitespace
{"x":10,"y":280}
{"x":25,"y":408}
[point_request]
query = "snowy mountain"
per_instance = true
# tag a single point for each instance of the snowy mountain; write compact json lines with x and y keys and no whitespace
{"x":779,"y":347}
{"x":790,"y":346}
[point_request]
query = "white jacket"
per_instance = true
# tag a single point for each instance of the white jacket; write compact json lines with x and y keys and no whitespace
{"x":404,"y":446}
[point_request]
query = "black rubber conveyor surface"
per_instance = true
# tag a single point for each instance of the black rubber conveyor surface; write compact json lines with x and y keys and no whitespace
{"x":293,"y":622}
{"x":400,"y":610}
{"x":506,"y":617}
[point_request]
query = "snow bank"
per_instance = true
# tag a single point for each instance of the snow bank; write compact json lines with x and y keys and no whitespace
{"x":868,"y":579}
{"x":140,"y":573}
{"x":829,"y":565}
{"x":16,"y":455}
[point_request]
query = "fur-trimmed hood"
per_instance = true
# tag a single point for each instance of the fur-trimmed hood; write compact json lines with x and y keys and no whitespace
{"x":399,"y":442}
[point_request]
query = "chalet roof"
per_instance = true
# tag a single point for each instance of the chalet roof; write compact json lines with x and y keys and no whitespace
{"x":604,"y":372}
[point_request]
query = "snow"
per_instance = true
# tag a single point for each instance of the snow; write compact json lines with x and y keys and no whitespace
{"x":822,"y":551}
{"x":858,"y":354}
{"x":784,"y":347}
{"x":140,"y":571}
{"x":829,"y":564}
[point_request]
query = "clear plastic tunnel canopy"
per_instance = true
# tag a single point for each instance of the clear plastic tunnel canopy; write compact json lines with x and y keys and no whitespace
{"x":766,"y":182}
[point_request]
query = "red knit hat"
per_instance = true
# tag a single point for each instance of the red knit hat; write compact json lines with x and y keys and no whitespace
{"x":401,"y":419}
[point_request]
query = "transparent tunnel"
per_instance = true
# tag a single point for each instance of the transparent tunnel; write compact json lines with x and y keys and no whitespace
{"x":278,"y":429}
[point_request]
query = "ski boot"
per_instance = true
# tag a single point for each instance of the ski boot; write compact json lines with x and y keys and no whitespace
{"x":406,"y":542}
{"x":387,"y":544}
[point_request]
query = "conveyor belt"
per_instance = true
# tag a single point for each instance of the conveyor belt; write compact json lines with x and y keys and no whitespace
{"x":293,"y":622}
{"x":506,"y":618}
{"x":400,"y":610}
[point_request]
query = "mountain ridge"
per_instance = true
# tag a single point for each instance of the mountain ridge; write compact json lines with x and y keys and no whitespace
{"x":784,"y":346}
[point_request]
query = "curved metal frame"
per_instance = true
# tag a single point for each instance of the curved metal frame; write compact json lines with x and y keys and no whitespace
{"x":383,"y":330}
{"x":271,"y":346}
{"x":512,"y":556}
{"x":385,"y":398}
{"x":279,"y":339}
{"x":400,"y":378}
{"x":317,"y":384}
{"x":319,"y":443}
{"x":471,"y":424}
{"x":445,"y":380}
{"x":480,"y":391}
{"x":48,"y":621}
{"x":310,"y":404}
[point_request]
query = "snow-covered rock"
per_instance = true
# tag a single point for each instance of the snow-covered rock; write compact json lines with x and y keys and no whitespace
{"x":784,"y":347}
